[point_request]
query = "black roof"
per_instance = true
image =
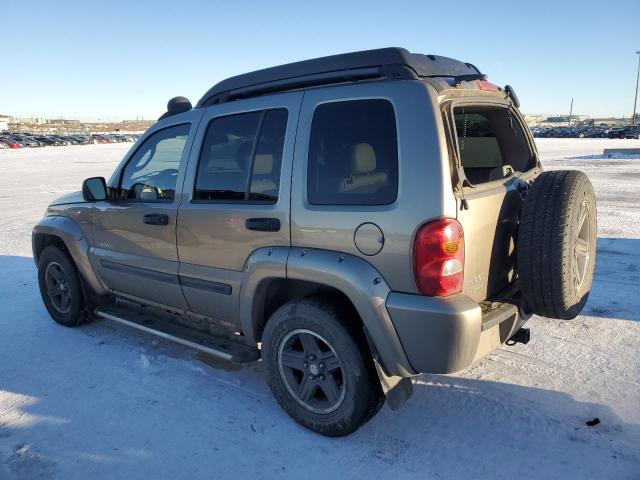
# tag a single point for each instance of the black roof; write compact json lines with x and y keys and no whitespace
{"x":389,"y":63}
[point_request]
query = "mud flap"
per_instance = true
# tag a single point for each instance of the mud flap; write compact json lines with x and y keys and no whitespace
{"x":397,"y":389}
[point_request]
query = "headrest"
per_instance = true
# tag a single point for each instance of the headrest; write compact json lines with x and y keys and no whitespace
{"x":243,"y":156}
{"x":263,"y":164}
{"x":363,"y":158}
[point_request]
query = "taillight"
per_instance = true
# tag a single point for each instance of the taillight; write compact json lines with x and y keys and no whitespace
{"x":488,"y":86}
{"x":438,"y":258}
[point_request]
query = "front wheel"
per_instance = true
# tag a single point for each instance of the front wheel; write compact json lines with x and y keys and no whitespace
{"x":60,"y":287}
{"x":319,"y":368}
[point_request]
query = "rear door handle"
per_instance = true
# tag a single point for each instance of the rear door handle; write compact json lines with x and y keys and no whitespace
{"x":263,"y":224}
{"x":156,"y":219}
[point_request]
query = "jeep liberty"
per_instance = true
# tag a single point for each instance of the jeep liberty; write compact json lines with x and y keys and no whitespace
{"x":349,"y":222}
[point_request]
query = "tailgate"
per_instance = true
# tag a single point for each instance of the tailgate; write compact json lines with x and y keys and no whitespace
{"x":490,"y":227}
{"x":489,"y":148}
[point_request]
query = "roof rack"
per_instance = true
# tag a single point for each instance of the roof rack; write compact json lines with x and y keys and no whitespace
{"x":383,"y":63}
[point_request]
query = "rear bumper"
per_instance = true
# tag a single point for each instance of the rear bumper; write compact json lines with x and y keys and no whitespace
{"x":446,"y":334}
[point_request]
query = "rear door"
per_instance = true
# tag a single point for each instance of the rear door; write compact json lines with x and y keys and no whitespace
{"x":496,"y":155}
{"x":134,"y":248}
{"x":237,"y":197}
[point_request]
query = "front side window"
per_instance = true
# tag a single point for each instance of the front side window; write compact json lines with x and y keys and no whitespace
{"x":152,"y":172}
{"x":491,"y":143}
{"x":353,"y":154}
{"x":241,"y":157}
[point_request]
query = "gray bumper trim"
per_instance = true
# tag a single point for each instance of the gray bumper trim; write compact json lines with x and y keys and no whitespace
{"x":439,"y":335}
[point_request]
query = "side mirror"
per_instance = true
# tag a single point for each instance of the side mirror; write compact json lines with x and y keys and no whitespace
{"x":94,"y":189}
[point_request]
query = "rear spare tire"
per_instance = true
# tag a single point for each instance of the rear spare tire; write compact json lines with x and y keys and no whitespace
{"x":557,"y":244}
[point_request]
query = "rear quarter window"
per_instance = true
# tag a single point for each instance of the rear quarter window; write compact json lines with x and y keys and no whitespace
{"x":353,"y":154}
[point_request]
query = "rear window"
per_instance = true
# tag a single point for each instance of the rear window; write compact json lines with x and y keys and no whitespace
{"x":353,"y":154}
{"x":490,"y":140}
{"x":477,"y":142}
{"x":241,"y":158}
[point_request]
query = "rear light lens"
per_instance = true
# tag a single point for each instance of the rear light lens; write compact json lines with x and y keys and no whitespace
{"x":487,"y":86}
{"x":438,"y":258}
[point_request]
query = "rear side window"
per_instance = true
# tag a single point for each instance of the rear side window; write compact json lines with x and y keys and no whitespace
{"x":353,"y":154}
{"x":241,"y":157}
{"x":489,"y":140}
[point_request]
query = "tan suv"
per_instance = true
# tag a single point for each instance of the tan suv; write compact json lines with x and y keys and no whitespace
{"x":351,"y":221}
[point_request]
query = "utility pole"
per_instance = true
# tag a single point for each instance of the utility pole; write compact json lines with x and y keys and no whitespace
{"x":635,"y":99}
{"x":570,"y":112}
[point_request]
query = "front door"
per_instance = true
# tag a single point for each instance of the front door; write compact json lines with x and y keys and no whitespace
{"x":134,"y":234}
{"x":236,"y":197}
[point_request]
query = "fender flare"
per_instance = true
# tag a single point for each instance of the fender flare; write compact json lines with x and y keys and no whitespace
{"x":263,"y":265}
{"x":77,"y":244}
{"x":363,"y":285}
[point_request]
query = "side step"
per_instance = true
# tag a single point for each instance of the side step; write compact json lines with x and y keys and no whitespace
{"x":218,"y":346}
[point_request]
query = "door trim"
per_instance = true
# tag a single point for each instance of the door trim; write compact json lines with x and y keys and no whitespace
{"x":206,"y":285}
{"x":209,"y":286}
{"x":141,"y":272}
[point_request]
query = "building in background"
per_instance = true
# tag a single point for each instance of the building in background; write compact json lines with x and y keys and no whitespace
{"x":566,"y":118}
{"x":29,"y":120}
{"x":4,"y":122}
{"x":555,"y":120}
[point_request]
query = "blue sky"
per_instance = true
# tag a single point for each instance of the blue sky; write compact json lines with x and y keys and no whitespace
{"x":126,"y":59}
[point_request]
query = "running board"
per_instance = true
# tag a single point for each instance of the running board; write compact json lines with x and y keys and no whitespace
{"x":220,"y":347}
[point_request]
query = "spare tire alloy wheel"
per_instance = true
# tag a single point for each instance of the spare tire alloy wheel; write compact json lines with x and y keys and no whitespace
{"x":582,"y":248}
{"x":311,"y":371}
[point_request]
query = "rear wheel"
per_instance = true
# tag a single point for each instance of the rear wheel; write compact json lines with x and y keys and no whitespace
{"x":319,"y":368}
{"x":60,"y":287}
{"x":557,"y":244}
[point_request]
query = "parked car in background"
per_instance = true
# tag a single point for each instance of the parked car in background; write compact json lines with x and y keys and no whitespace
{"x":30,"y":141}
{"x":599,"y":131}
{"x":27,"y":139}
{"x":595,"y":133}
{"x":632,"y":132}
{"x":10,"y":143}
{"x":47,"y":141}
{"x":617,"y":132}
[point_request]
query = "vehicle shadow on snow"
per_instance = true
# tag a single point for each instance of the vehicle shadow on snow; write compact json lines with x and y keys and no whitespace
{"x":474,"y":425}
{"x":617,"y":275}
{"x":451,"y":428}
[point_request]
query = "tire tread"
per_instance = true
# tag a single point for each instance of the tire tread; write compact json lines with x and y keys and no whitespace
{"x":544,"y":243}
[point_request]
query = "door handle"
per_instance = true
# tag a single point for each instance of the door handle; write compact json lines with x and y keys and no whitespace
{"x":263,"y":224}
{"x":156,"y":219}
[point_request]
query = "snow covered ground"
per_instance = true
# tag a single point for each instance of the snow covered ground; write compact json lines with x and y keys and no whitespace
{"x":103,"y":401}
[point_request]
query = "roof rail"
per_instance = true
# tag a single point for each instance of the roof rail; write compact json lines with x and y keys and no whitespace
{"x":384,"y":63}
